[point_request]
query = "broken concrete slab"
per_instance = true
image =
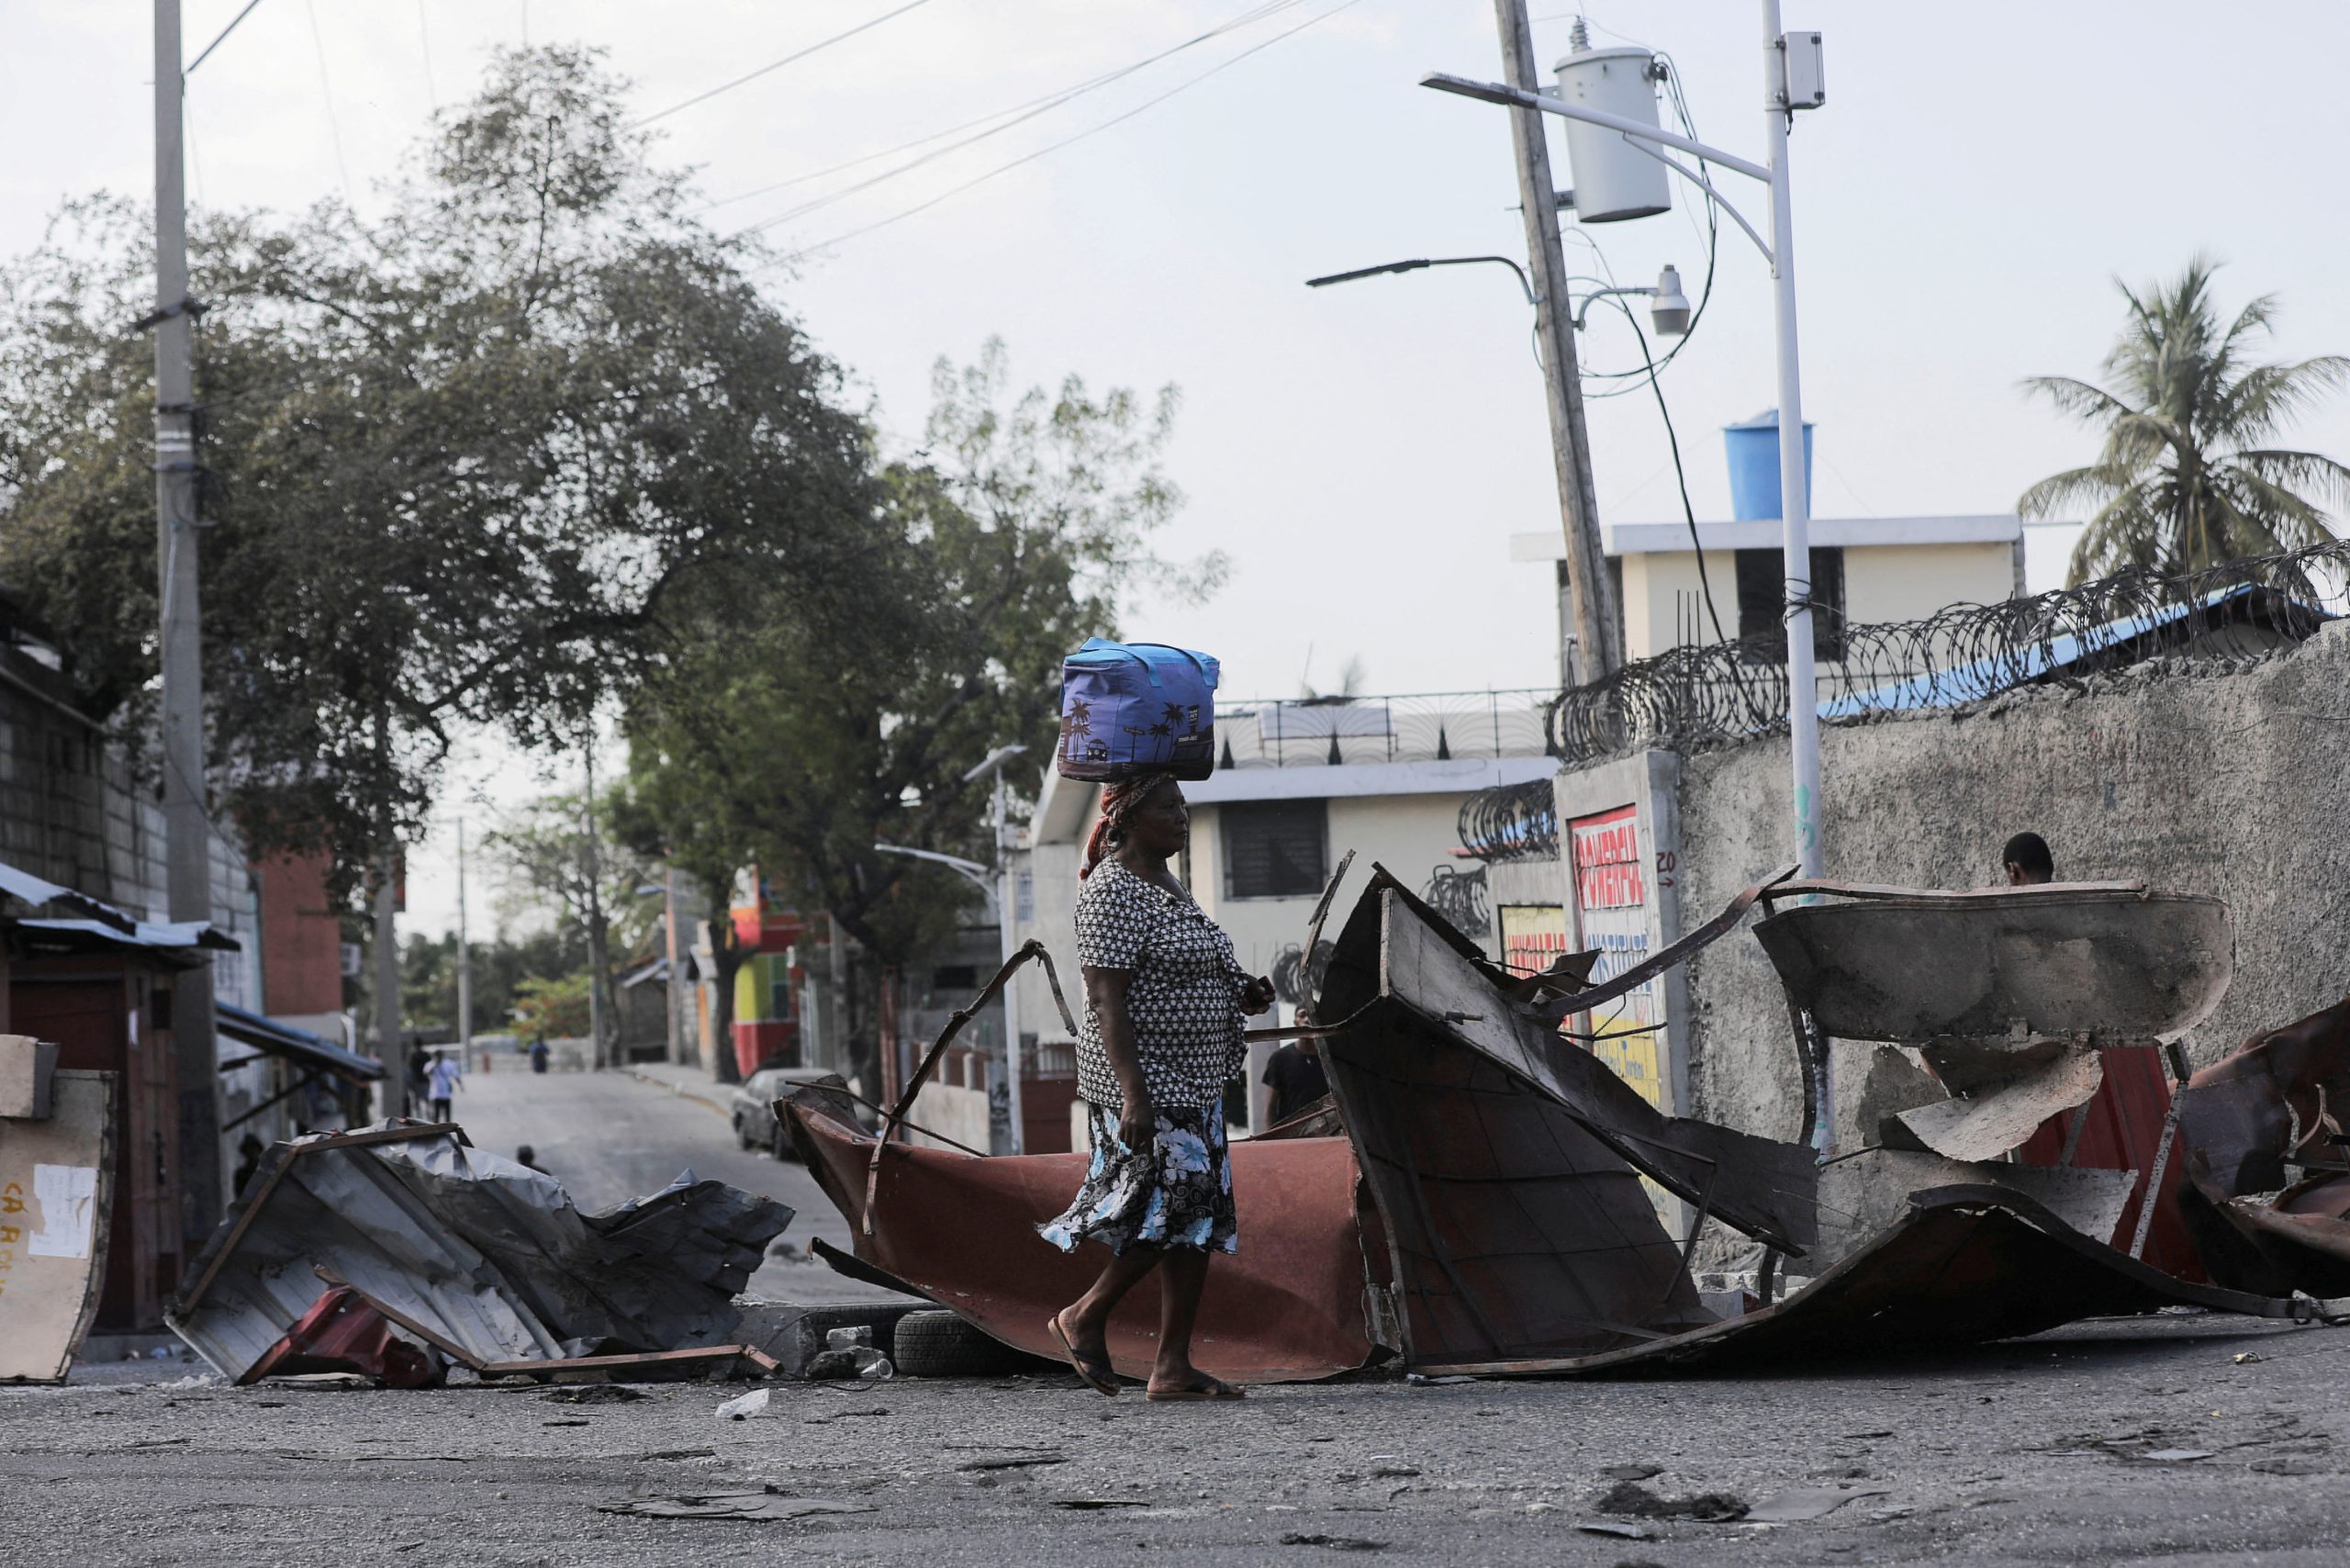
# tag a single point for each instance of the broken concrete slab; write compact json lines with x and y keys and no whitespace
{"x":1996,"y":1117}
{"x":56,"y":1197}
{"x":2113,"y":963}
{"x":486,"y":1259}
{"x":1862,"y":1195}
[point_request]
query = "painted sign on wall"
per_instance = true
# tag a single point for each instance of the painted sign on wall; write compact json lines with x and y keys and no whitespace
{"x":1534,"y":937}
{"x":1612,"y":891}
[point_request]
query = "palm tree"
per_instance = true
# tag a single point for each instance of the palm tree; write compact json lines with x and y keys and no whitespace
{"x":2185,"y":480}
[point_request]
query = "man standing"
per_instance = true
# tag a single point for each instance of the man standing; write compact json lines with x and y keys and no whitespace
{"x":442,"y":1080}
{"x":2028,"y":861}
{"x":1295,"y":1074}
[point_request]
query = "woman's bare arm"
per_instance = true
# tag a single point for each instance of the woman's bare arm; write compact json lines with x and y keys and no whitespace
{"x":1105,"y":992}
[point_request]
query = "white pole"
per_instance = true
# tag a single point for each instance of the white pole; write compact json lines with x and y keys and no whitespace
{"x":465,"y":962}
{"x":1794,"y":509}
{"x":1003,"y":910}
{"x":1795,"y":504}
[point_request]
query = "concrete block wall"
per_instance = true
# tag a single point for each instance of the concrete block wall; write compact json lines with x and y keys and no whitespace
{"x":2230,"y":779}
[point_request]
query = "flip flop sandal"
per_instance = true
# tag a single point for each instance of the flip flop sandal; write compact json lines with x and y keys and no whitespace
{"x":1214,"y":1388}
{"x":1096,"y":1375}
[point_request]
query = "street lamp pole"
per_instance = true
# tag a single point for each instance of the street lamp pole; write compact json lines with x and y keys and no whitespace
{"x":1780,"y":101}
{"x":1794,"y":500}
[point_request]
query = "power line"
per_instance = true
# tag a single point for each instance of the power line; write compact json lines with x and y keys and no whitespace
{"x":1067,"y":141}
{"x":1022,"y":112}
{"x":334,"y":125}
{"x":424,"y":37}
{"x":215,"y":43}
{"x":778,"y":64}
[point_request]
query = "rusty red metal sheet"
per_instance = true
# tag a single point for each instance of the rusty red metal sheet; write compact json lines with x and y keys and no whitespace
{"x":2250,"y":1125}
{"x":1292,"y":1304}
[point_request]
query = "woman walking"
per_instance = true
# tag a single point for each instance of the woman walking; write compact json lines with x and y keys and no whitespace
{"x":1164,"y":997}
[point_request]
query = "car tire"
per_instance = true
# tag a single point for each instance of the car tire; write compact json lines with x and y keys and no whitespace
{"x":744,"y":1138}
{"x":940,"y":1344}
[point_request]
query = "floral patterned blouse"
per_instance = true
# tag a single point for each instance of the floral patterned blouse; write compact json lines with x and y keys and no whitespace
{"x":1184,"y":997}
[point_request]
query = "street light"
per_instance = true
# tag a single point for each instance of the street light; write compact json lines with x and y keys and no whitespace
{"x":1792,"y":80}
{"x":1670,"y":313}
{"x":1669,"y":310}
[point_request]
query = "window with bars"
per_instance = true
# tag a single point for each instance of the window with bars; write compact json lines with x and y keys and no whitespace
{"x":1273,"y":849}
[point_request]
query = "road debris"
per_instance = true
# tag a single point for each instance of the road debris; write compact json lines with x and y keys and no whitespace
{"x":1336,"y":1542}
{"x":1610,"y":1527}
{"x":594,"y":1394}
{"x":743,"y":1406}
{"x":1629,"y":1498}
{"x":482,"y":1259}
{"x":735,"y":1506}
{"x":1806,"y":1502}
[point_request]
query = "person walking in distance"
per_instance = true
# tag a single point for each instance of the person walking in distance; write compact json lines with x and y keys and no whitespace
{"x":442,"y":1083}
{"x":1164,"y":997}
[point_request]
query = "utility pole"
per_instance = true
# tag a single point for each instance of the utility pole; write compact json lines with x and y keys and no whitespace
{"x":1595,"y":607}
{"x":387,"y":952}
{"x":596,"y":955}
{"x":465,"y":963}
{"x":187,"y":828}
{"x":675,"y":988}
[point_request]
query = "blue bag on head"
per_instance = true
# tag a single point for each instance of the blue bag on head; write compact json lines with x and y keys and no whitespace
{"x":1129,"y":708}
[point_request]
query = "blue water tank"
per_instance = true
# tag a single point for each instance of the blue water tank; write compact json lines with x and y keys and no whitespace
{"x":1753,"y":446}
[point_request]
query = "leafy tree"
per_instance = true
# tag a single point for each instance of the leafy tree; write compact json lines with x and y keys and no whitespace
{"x":554,"y":1009}
{"x":555,"y":854}
{"x":822,"y":726}
{"x":2186,"y":477}
{"x":459,"y":460}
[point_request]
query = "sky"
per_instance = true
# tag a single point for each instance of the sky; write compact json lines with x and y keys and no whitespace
{"x":1962,"y":204}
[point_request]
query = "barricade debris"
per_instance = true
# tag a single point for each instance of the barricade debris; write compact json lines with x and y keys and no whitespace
{"x":2268,"y":1199}
{"x":401,"y":1244}
{"x":1481,"y":1209}
{"x":56,"y":1163}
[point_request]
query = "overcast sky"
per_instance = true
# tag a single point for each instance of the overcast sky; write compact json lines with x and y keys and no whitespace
{"x":1962,"y":206}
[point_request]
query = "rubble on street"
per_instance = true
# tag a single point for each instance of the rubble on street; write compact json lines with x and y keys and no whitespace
{"x":348,"y":1245}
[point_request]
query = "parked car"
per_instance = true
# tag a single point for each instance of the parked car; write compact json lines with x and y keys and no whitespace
{"x":752,"y":1105}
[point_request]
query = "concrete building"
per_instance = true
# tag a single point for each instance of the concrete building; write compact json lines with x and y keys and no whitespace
{"x":1864,"y":569}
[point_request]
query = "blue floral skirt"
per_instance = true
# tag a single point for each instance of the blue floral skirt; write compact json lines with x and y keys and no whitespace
{"x":1178,"y":1192}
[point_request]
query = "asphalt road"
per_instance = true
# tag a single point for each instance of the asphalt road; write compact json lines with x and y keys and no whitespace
{"x":2038,"y":1452}
{"x":2181,"y":1441}
{"x":610,"y":1136}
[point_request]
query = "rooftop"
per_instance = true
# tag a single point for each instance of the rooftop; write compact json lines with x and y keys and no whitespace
{"x":1848,"y":532}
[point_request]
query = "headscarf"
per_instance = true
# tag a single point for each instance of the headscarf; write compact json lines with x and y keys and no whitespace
{"x":1120,"y":800}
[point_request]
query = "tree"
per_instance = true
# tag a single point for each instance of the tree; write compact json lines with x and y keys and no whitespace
{"x":676,"y":810}
{"x":555,"y":1009}
{"x":827,"y":724}
{"x":552,"y":853}
{"x":2186,"y":480}
{"x":458,"y":460}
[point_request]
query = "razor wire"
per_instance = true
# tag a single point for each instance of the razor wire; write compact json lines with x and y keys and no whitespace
{"x":1737,"y":691}
{"x":1511,"y":822}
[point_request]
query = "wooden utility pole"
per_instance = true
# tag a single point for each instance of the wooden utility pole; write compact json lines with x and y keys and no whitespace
{"x":187,"y":828}
{"x":387,"y":951}
{"x":1595,"y":601}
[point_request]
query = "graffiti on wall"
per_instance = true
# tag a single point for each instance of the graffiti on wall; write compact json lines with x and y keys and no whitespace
{"x":1612,"y":887}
